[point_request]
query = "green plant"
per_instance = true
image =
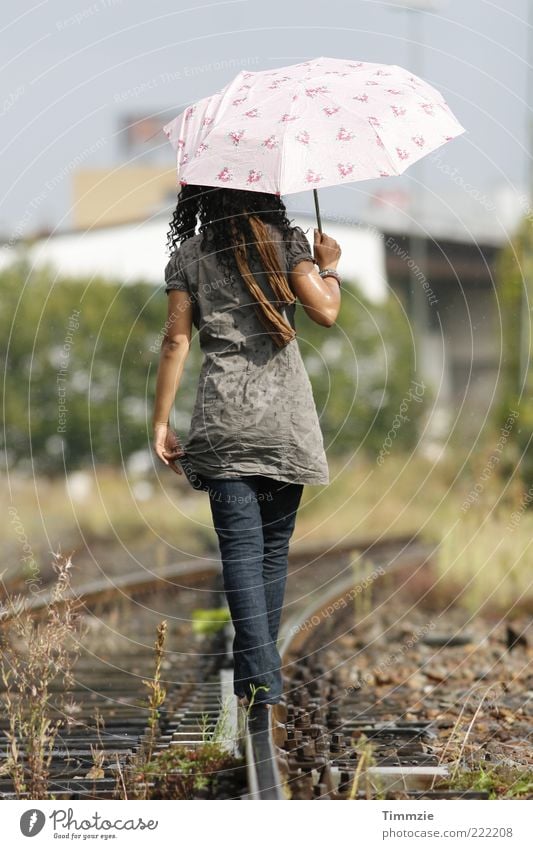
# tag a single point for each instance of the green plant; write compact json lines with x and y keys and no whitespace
{"x":181,"y":773}
{"x":104,"y":344}
{"x":218,"y":732}
{"x":501,"y":782}
{"x":210,"y":620}
{"x":132,"y":782}
{"x":513,"y":270}
{"x":254,"y":690}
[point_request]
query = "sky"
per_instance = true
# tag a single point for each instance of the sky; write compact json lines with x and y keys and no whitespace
{"x":72,"y":68}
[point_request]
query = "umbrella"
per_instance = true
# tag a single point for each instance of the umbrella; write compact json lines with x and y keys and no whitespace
{"x":319,"y":123}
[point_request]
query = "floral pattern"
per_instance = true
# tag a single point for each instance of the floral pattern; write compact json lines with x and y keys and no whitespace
{"x":303,"y":137}
{"x":271,"y":142}
{"x":236,"y":136}
{"x":345,"y":168}
{"x":314,"y":92}
{"x":344,"y":135}
{"x":254,"y":176}
{"x":225,"y":175}
{"x":277,"y":83}
{"x":376,"y":109}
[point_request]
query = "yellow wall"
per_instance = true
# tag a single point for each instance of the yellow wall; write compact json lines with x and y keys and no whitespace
{"x":112,"y":196}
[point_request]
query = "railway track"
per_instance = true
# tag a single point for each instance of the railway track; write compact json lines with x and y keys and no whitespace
{"x":318,"y":730}
{"x":312,"y":745}
{"x":110,"y":712}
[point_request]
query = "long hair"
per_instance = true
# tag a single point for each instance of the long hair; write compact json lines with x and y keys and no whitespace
{"x":236,"y":220}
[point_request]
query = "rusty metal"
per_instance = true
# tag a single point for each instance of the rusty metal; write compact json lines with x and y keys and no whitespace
{"x":322,"y":722}
{"x":306,"y":745}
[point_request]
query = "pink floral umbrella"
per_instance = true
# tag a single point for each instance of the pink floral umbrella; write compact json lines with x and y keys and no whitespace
{"x":318,"y":123}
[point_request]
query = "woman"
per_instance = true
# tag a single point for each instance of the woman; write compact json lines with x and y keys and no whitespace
{"x":254,"y":438}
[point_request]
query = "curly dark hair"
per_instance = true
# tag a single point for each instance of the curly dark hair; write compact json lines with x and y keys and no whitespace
{"x":236,"y":221}
{"x":218,"y":207}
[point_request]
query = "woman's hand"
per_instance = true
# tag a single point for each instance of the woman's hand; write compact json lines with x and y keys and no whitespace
{"x":326,"y":250}
{"x":167,"y":446}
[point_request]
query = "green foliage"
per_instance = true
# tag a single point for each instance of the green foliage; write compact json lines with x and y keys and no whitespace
{"x":514,"y":273}
{"x":361,"y":371}
{"x":210,"y":620}
{"x":500,"y":781}
{"x":181,"y":773}
{"x":97,"y":341}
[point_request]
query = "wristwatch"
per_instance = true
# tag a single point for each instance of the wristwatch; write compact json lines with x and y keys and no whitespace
{"x":330,"y":272}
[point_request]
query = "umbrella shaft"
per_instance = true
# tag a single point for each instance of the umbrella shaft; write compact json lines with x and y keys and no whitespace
{"x":317,"y":210}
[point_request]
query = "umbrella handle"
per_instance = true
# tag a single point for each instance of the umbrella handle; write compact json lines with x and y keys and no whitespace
{"x":317,"y":210}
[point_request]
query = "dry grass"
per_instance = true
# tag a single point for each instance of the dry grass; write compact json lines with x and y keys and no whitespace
{"x":407,"y":494}
{"x":365,"y":499}
{"x":157,"y":692}
{"x":483,"y":555}
{"x":172,"y":524}
{"x":37,"y":656}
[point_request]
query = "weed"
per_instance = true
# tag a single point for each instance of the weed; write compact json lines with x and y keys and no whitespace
{"x":218,"y":732}
{"x":157,"y":692}
{"x":254,"y":690}
{"x":456,"y":741}
{"x":501,"y":782}
{"x":35,"y":657}
{"x":181,"y":773}
{"x":365,"y":749}
{"x":97,"y":754}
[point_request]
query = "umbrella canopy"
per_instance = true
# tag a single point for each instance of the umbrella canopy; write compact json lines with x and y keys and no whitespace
{"x":318,"y":123}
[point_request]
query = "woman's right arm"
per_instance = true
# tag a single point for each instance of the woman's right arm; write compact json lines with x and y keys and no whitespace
{"x":319,"y":296}
{"x":174,"y":351}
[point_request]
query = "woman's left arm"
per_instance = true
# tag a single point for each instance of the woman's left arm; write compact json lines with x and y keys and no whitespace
{"x":174,"y":351}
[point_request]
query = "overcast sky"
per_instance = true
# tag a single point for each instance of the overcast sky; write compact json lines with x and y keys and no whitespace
{"x":73,"y":67}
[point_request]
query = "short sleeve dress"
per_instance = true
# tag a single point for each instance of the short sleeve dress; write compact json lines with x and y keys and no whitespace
{"x":254,"y":411}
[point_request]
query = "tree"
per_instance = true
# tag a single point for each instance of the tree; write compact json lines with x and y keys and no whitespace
{"x":81,"y":360}
{"x":514,"y":273}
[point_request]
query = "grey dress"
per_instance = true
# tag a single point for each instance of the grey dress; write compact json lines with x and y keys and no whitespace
{"x":254,"y":411}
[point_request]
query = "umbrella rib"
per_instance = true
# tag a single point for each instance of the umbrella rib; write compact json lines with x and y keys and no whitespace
{"x":282,"y":155}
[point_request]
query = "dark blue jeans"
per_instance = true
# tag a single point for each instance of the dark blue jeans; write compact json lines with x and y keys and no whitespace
{"x":254,"y":517}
